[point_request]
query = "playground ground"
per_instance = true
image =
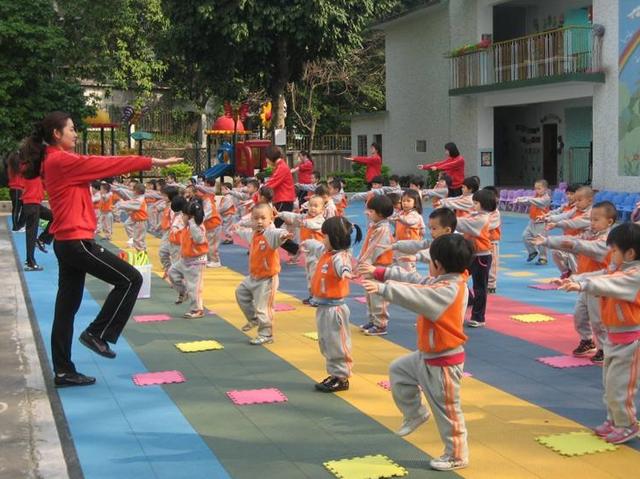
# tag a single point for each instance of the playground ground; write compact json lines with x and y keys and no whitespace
{"x":192,"y":429}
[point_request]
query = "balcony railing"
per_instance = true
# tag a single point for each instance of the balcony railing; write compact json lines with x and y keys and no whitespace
{"x":560,"y":52}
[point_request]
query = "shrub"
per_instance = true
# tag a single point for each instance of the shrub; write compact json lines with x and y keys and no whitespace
{"x":4,"y":194}
{"x":183,"y":171}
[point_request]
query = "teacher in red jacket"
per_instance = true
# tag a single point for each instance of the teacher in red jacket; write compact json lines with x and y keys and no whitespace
{"x":49,"y":152}
{"x":452,"y":165}
{"x":373,"y":162}
{"x":284,"y":191}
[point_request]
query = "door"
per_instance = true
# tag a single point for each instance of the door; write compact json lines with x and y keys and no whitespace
{"x":550,"y":153}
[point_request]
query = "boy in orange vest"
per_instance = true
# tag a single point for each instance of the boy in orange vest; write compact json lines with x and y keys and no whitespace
{"x":212,"y":222}
{"x":105,"y":208}
{"x":463,"y":205}
{"x":619,"y":291}
{"x":255,"y":295}
{"x":228,"y":212}
{"x":538,"y":207}
{"x":186,"y":274}
{"x":136,"y":224}
{"x":166,"y":222}
{"x":438,"y":364}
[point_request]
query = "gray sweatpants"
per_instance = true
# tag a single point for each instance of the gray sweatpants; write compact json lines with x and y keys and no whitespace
{"x":164,"y":251}
{"x":441,"y":387}
{"x":213,"y":238}
{"x":128,"y":227}
{"x":587,"y":319}
{"x":620,"y":378}
{"x":377,"y":309}
{"x":186,"y":277}
{"x":334,"y":338}
{"x":531,"y":231}
{"x":564,"y":261}
{"x":493,"y":272}
{"x":255,"y":298}
{"x":139,"y":231}
{"x":105,"y":223}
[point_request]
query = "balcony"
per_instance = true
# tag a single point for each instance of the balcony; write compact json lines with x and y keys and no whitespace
{"x":565,"y":54}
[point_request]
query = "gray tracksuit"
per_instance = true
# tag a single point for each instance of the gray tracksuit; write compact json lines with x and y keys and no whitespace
{"x":535,"y":228}
{"x":185,"y":275}
{"x":570,"y":220}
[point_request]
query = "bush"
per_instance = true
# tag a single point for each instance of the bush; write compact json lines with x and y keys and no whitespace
{"x":4,"y":194}
{"x":182,"y":171}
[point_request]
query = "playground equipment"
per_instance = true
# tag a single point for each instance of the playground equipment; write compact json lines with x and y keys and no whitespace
{"x":101,"y":121}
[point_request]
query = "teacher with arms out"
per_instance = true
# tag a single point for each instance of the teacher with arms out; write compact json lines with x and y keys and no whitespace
{"x":373,"y":162}
{"x":452,"y":165}
{"x":49,"y":152}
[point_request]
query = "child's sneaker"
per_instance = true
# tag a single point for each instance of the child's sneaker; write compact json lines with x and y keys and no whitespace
{"x":532,"y":256}
{"x":332,"y":384}
{"x":375,"y":331}
{"x":249,"y":326}
{"x":472,"y":323}
{"x":541,"y":261}
{"x":214,"y":264}
{"x":194,"y":314}
{"x":181,"y":298}
{"x":365,"y":326}
{"x":598,"y":358}
{"x":565,"y":274}
{"x":447,"y":463}
{"x":411,"y":424}
{"x":260,"y":340}
{"x":604,"y":429}
{"x":491,"y":290}
{"x":33,"y":267}
{"x":620,"y":435}
{"x":307,"y":300}
{"x":586,"y":347}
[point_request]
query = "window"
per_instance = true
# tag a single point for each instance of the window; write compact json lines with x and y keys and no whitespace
{"x":421,"y":146}
{"x":362,"y":145}
{"x":378,"y":140}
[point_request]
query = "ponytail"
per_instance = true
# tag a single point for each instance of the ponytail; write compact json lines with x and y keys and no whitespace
{"x":33,"y":147}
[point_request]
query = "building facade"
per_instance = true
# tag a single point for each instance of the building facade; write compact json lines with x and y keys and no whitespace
{"x":526,"y":89}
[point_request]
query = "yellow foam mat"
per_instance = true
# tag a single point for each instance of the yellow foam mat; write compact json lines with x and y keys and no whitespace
{"x":576,"y":443}
{"x":490,"y":413}
{"x":544,"y":280}
{"x":313,"y":335}
{"x":521,"y":274}
{"x":510,"y":256}
{"x":197,"y":346}
{"x":367,"y":467}
{"x":532,"y":318}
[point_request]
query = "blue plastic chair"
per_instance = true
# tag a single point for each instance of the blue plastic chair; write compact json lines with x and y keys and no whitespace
{"x":624,"y":212}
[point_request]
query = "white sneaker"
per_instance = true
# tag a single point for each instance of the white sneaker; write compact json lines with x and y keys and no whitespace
{"x":410,"y":425}
{"x":448,"y":463}
{"x":260,"y":340}
{"x":214,"y":264}
{"x":21,"y":230}
{"x":130,"y":242}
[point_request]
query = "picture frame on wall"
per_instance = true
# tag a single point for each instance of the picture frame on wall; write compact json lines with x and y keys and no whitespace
{"x":486,"y":158}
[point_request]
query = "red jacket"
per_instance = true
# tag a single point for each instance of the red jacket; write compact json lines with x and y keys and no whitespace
{"x":33,"y":191}
{"x":374,"y":166}
{"x":281,"y":181}
{"x":305,"y":170}
{"x":454,"y":167}
{"x":16,"y":181}
{"x":67,"y":176}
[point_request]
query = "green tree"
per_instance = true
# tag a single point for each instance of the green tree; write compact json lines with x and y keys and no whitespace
{"x":34,"y":79}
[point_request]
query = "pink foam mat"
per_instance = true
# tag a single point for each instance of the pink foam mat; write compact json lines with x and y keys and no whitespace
{"x":148,"y":318}
{"x":256,"y":396}
{"x":361,"y":299}
{"x":283,"y":307}
{"x":565,"y":361}
{"x":160,"y":377}
{"x":544,"y":286}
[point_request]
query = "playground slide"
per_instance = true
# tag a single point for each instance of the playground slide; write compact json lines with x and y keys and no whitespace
{"x":217,"y":170}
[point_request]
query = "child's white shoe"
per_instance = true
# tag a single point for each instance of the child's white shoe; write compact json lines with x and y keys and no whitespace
{"x":447,"y":463}
{"x":260,"y":340}
{"x":214,"y":264}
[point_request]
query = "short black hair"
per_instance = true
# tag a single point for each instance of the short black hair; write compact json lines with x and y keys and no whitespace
{"x":266,"y":192}
{"x":453,"y":252}
{"x":228,"y":186}
{"x":381,"y":204}
{"x":254,"y":183}
{"x":487,"y":200}
{"x":211,"y":181}
{"x":317,"y":174}
{"x":446,"y":217}
{"x":178,"y":203}
{"x":417,"y":180}
{"x":194,"y":208}
{"x":395,"y":198}
{"x":447,"y":179}
{"x":452,"y":149}
{"x":378,"y":179}
{"x":572,"y":188}
{"x":472,"y":183}
{"x":95,"y":185}
{"x":417,"y":200}
{"x":172,"y":176}
{"x":321,"y":190}
{"x":395,"y":178}
{"x":273,"y":153}
{"x":105,"y":185}
{"x":336,"y":184}
{"x":625,"y":236}
{"x":609,"y":208}
{"x":377,"y":147}
{"x":493,"y":189}
{"x":338,"y":229}
{"x":170,"y":191}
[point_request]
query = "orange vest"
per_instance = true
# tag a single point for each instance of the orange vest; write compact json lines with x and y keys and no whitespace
{"x":141,"y":214}
{"x":264,"y":262}
{"x":307,"y":233}
{"x":341,"y":206}
{"x":325,"y":282}
{"x":585,"y":264}
{"x":106,"y":205}
{"x":406,"y":232}
{"x":447,"y":332}
{"x":167,"y":218}
{"x":482,"y":242}
{"x":535,"y":211}
{"x":215,"y":220}
{"x":618,"y":313}
{"x":385,"y":259}
{"x":189,"y":248}
{"x":571,"y":231}
{"x":495,"y":234}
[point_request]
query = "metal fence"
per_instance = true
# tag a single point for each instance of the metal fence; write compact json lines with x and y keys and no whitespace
{"x":326,"y":162}
{"x":320,"y":143}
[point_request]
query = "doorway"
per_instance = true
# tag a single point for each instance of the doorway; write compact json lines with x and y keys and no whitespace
{"x":550,"y":153}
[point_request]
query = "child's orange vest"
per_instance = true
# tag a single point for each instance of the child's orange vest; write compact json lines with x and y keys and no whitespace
{"x":308,"y":233}
{"x":167,"y":219}
{"x":385,"y":259}
{"x":341,"y":206}
{"x":106,"y":205}
{"x":189,"y":248}
{"x":214,"y":221}
{"x":264,"y":262}
{"x":325,"y":282}
{"x":405,"y":232}
{"x":535,"y":211}
{"x":141,"y":214}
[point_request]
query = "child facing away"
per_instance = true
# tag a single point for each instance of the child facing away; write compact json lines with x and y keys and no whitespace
{"x":495,"y":235}
{"x":105,"y":211}
{"x":329,"y":287}
{"x":591,"y":253}
{"x":255,"y":295}
{"x":439,"y":191}
{"x":476,"y":229}
{"x":212,"y":222}
{"x":185,"y":275}
{"x":538,"y":206}
{"x":409,"y":226}
{"x":338,"y":196}
{"x":227,"y":211}
{"x":166,"y":223}
{"x":136,"y":223}
{"x":619,"y":291}
{"x":463,"y":205}
{"x":437,"y":365}
{"x":375,"y":251}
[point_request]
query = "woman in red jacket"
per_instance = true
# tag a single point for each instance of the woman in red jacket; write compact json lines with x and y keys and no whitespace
{"x":373,"y":162}
{"x":453,"y":165}
{"x":284,"y":192}
{"x":34,"y":211}
{"x":16,"y":185}
{"x":49,"y":152}
{"x":304,"y":169}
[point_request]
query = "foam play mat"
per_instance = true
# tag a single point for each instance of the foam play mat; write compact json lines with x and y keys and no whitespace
{"x":366,"y":467}
{"x":575,"y":443}
{"x":198,"y":346}
{"x":532,"y":318}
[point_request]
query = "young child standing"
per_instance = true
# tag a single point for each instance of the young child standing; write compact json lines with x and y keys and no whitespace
{"x":463,"y":205}
{"x":538,"y":206}
{"x":136,"y":207}
{"x":212,"y":223}
{"x":619,"y":291}
{"x":409,"y":226}
{"x":255,"y":295}
{"x":186,"y":274}
{"x":437,"y":365}
{"x":375,"y":252}
{"x":227,"y":212}
{"x":105,"y":208}
{"x":338,"y":196}
{"x":330,"y":287}
{"x":166,"y":222}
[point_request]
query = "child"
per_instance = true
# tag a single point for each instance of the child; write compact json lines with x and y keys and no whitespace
{"x":463,"y":205}
{"x":95,"y":199}
{"x":375,"y":252}
{"x":567,"y":206}
{"x":171,"y":254}
{"x":330,"y":287}
{"x":166,"y":222}
{"x":394,"y":185}
{"x":376,"y":189}
{"x":137,"y":221}
{"x":591,"y":253}
{"x":337,"y":195}
{"x":619,"y":291}
{"x":439,"y":191}
{"x":186,"y":274}
{"x":330,"y":209}
{"x":409,"y":226}
{"x":417,"y":183}
{"x":495,"y":235}
{"x":105,"y":207}
{"x":255,"y":295}
{"x":476,"y":228}
{"x":227,"y":212}
{"x":437,"y":366}
{"x":212,"y":222}
{"x":538,"y":206}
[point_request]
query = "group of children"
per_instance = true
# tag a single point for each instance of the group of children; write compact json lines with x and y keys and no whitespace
{"x":594,"y":258}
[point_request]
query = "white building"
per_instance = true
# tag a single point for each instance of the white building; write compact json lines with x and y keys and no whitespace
{"x":540,"y":100}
